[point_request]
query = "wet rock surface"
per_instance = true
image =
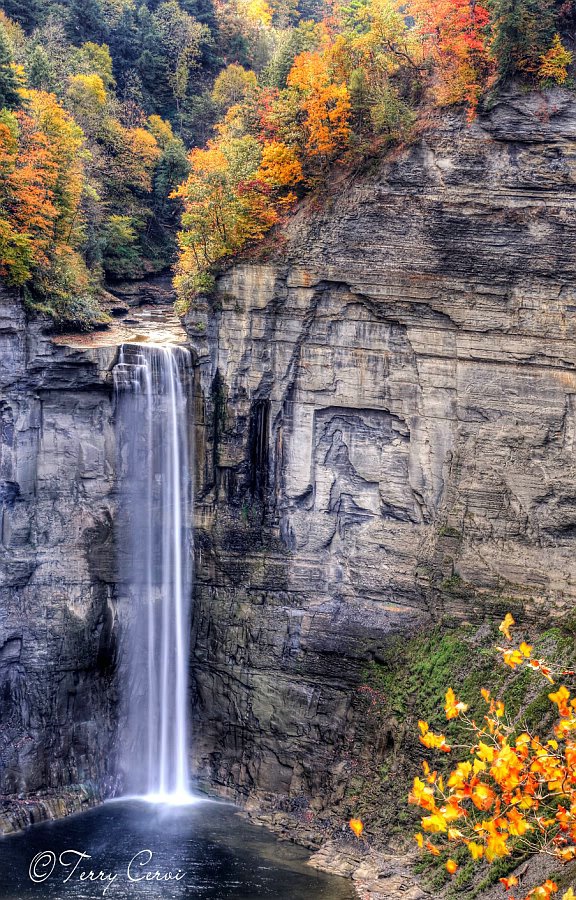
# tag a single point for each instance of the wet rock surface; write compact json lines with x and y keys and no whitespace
{"x":18,"y":814}
{"x":57,"y":624}
{"x":141,"y":312}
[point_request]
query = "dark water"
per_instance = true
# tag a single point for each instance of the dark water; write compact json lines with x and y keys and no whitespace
{"x":220,"y":855}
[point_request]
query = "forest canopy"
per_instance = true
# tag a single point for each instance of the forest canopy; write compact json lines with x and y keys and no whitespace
{"x":136,"y":135}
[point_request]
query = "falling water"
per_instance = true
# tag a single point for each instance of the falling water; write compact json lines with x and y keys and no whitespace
{"x":155,"y":562}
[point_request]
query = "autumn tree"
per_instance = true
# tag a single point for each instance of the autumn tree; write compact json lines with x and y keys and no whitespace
{"x":280,"y":166}
{"x":16,"y":251}
{"x":523,"y":30}
{"x":381,"y":56}
{"x":227,"y":205}
{"x":554,"y":63}
{"x":288,"y":44}
{"x":324,"y":103}
{"x":87,"y":99}
{"x":233,"y":85}
{"x":456,"y":37}
{"x":94,"y":59}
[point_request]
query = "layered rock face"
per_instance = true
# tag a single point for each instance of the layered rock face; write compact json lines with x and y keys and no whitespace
{"x":57,"y":622}
{"x":387,"y":427}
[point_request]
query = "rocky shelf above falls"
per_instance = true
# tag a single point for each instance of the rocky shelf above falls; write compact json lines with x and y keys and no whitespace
{"x":141,"y":312}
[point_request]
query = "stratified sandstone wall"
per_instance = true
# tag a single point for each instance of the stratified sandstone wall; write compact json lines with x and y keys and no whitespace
{"x":57,"y":631}
{"x":386,"y":434}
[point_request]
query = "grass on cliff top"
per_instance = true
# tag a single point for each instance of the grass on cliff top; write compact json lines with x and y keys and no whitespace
{"x":409,"y":683}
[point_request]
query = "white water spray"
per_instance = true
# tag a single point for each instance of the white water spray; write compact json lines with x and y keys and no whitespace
{"x":155,"y":553}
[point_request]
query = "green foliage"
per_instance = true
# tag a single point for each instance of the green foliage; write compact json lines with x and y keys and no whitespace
{"x":9,"y":97}
{"x":40,"y":70}
{"x":25,"y":12}
{"x":233,"y":85}
{"x":70,"y":310}
{"x":121,"y":256}
{"x":523,"y":32}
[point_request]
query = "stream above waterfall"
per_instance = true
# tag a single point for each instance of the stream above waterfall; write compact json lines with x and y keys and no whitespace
{"x":215,"y":851}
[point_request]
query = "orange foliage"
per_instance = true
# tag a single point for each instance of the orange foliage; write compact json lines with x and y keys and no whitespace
{"x":324,"y":102}
{"x":455,"y":34}
{"x":515,"y":792}
{"x":280,"y":166}
{"x":356,"y":826}
{"x":42,"y":184}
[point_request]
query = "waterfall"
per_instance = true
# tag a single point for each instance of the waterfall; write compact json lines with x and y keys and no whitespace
{"x":154,"y":558}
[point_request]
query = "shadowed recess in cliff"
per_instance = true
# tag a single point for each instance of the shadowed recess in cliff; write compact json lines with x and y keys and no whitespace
{"x":154,"y":558}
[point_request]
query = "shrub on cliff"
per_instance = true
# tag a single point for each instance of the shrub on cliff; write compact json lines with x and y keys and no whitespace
{"x":515,"y":794}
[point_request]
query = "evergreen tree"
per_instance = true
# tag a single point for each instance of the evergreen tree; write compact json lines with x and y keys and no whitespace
{"x":86,"y":22}
{"x":524,"y":30}
{"x":25,"y":12}
{"x":9,"y":97}
{"x":40,"y":71}
{"x":202,"y":10}
{"x":125,"y":42}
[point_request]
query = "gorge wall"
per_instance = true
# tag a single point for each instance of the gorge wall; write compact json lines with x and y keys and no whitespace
{"x":57,"y":632}
{"x":386,"y":435}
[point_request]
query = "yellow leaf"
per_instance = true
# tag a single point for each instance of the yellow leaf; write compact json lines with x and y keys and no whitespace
{"x":422,"y":795}
{"x":453,"y":706}
{"x":356,"y":826}
{"x":434,"y":823}
{"x":476,"y":850}
{"x":496,"y":847}
{"x":451,"y":866}
{"x":485,"y":752}
{"x":560,"y":698}
{"x":512,"y":658}
{"x":505,"y":626}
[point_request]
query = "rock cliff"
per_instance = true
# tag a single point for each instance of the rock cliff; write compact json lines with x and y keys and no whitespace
{"x":386,"y":435}
{"x":57,"y":634}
